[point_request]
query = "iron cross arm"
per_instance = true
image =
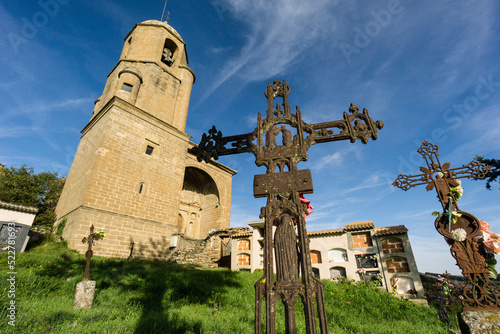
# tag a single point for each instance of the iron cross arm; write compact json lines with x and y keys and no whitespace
{"x":473,"y":169}
{"x":429,"y":152}
{"x":351,"y":127}
{"x":214,"y":144}
{"x":355,"y":125}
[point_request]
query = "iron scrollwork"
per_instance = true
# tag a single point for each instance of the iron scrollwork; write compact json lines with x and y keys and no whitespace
{"x":279,"y":142}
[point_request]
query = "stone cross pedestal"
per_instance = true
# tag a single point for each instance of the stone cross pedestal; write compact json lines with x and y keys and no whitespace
{"x":84,"y":295}
{"x":482,"y":322}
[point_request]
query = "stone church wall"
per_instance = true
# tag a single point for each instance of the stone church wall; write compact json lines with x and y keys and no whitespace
{"x":150,"y":239}
{"x":204,"y":252}
{"x":131,"y":168}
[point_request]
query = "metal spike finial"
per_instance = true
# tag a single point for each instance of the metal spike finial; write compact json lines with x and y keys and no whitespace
{"x":163,"y":13}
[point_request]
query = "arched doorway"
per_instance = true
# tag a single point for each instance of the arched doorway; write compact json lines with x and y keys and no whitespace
{"x":200,"y":203}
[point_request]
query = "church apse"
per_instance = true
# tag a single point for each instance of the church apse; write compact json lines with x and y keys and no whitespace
{"x":200,"y":203}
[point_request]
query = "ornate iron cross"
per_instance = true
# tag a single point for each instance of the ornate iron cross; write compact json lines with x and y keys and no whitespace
{"x":479,"y":292}
{"x":282,"y":185}
{"x":438,"y":176}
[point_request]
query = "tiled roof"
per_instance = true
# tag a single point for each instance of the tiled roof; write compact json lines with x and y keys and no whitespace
{"x":364,"y":225}
{"x":323,"y":232}
{"x":17,"y":207}
{"x":242,"y":234}
{"x":359,"y":225}
{"x":390,"y":230}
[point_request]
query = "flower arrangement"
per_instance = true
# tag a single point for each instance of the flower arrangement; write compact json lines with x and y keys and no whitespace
{"x":449,"y":305}
{"x":394,"y":284}
{"x":459,"y":234}
{"x":98,"y":235}
{"x":369,"y":260}
{"x":344,"y":256}
{"x":491,"y":241}
{"x":376,"y":280}
{"x":457,"y":192}
{"x":491,"y":245}
{"x":445,"y":284}
{"x":454,"y":215}
{"x":94,"y":236}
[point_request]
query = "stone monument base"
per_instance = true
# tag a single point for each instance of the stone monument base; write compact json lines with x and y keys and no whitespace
{"x":84,"y":294}
{"x":481,"y":322}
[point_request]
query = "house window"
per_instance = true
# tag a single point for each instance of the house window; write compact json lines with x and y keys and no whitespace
{"x":337,"y":255}
{"x":243,"y":260}
{"x":315,"y":256}
{"x":360,"y":240}
{"x":393,"y":245}
{"x":149,"y":150}
{"x":141,"y":187}
{"x":315,"y":272}
{"x":243,"y":245}
{"x":127,"y":87}
{"x":397,"y":265}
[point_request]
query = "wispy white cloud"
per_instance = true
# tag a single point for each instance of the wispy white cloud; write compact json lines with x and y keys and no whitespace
{"x":333,"y":160}
{"x":217,"y":50}
{"x":14,"y":132}
{"x":373,"y":181}
{"x":276,"y":36}
{"x":41,"y":108}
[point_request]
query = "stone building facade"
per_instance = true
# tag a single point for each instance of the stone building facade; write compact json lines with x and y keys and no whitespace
{"x":359,"y":251}
{"x":132,"y":174}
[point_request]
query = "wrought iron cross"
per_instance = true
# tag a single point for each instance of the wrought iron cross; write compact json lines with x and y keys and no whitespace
{"x":282,"y":185}
{"x":479,"y":293}
{"x":438,"y":176}
{"x":89,"y":240}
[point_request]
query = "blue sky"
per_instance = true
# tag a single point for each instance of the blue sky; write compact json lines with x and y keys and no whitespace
{"x":429,"y":70}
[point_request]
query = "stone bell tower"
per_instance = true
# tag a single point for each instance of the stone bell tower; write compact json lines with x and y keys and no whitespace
{"x":132,"y":174}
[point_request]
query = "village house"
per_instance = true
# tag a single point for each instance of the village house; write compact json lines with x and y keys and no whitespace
{"x":15,"y":223}
{"x":358,"y":251}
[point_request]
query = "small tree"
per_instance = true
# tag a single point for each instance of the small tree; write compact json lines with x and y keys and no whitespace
{"x":22,"y":186}
{"x":494,"y":173}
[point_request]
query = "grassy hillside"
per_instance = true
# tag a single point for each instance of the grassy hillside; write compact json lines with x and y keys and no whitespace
{"x":159,"y":297}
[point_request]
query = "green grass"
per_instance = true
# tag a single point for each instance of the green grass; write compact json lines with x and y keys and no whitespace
{"x":159,"y":297}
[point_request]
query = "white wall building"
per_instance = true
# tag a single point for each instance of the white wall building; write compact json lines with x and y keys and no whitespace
{"x":15,"y":223}
{"x":359,"y":251}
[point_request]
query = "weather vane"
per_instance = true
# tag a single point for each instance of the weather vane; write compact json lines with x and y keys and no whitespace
{"x":163,"y":13}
